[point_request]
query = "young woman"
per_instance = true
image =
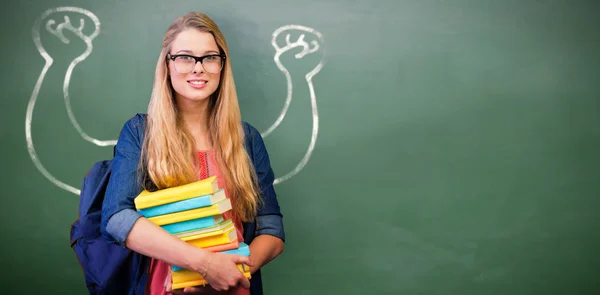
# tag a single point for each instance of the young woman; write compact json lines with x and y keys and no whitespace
{"x":193,"y":130}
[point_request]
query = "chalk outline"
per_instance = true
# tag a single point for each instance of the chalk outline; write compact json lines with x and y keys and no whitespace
{"x":308,"y":77}
{"x":88,"y":40}
{"x":48,"y":63}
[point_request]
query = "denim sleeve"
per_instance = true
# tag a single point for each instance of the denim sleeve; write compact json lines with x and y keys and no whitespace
{"x":270,"y":218}
{"x":118,"y":208}
{"x":120,"y":224}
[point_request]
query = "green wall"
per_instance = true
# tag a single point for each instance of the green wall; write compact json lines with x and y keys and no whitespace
{"x":457,"y":148}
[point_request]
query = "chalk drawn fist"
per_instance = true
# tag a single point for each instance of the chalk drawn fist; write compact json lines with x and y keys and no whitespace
{"x":298,"y":49}
{"x":70,"y":26}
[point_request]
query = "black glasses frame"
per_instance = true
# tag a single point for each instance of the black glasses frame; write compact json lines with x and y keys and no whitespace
{"x":197,"y":59}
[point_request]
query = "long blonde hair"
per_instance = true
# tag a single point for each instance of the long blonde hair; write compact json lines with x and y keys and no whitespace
{"x":169,"y":157}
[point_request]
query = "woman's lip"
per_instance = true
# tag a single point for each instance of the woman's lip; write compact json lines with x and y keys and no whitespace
{"x":197,"y":86}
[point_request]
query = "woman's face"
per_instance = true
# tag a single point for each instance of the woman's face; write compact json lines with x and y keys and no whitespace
{"x":191,"y":80}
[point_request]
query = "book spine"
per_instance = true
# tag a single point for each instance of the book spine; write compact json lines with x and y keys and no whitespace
{"x":199,"y":282}
{"x":188,"y":225}
{"x":243,"y":250}
{"x":179,"y":206}
{"x":192,"y":214}
{"x":204,"y":187}
{"x":188,"y":275}
{"x":215,"y":240}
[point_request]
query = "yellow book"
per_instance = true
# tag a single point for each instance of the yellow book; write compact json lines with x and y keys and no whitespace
{"x":199,"y":282}
{"x":147,"y":199}
{"x":225,"y":224}
{"x":186,"y":275}
{"x":215,"y":238}
{"x":215,"y":209}
{"x":186,"y":278}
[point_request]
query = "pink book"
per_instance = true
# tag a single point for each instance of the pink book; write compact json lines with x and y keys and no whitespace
{"x":218,"y":248}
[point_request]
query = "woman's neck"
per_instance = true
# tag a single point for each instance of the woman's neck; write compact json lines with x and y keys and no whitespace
{"x":194,"y":114}
{"x":195,"y":119}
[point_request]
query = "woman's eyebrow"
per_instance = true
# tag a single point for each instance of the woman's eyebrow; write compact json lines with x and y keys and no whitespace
{"x":192,"y":53}
{"x":184,"y":51}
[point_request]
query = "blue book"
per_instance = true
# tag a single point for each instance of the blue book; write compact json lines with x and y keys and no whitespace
{"x":194,"y":224}
{"x":243,"y":250}
{"x":188,"y":204}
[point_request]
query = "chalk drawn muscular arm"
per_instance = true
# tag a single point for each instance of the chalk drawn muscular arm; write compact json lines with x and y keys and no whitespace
{"x":306,"y":41}
{"x":58,"y":22}
{"x":76,"y":34}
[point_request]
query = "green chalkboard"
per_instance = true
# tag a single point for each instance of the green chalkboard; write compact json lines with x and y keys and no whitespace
{"x":435,"y":147}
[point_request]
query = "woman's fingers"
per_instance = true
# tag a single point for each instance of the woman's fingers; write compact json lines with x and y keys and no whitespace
{"x":239,"y":259}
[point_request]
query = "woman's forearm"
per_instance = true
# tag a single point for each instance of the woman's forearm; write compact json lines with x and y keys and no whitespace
{"x":149,"y":239}
{"x":263,"y":249}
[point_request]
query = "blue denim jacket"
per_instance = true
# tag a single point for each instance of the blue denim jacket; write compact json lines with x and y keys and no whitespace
{"x":118,"y":209}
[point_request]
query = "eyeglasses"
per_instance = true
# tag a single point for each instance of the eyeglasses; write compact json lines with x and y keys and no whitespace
{"x":185,"y":63}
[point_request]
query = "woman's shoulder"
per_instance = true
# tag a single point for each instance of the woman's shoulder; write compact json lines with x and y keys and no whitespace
{"x":250,"y":131}
{"x":248,"y":128}
{"x":138,"y":120}
{"x":134,"y":127}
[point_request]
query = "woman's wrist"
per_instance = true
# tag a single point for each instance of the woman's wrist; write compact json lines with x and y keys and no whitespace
{"x":206,"y":265}
{"x":200,"y":261}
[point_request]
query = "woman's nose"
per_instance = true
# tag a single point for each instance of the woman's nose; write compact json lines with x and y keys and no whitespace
{"x":198,"y":68}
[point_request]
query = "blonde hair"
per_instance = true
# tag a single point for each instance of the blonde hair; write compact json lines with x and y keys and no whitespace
{"x":169,"y":157}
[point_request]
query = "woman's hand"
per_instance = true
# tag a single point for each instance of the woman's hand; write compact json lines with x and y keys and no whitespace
{"x":220,"y":271}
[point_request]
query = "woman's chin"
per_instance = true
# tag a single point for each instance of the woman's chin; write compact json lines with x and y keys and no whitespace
{"x":193,"y":98}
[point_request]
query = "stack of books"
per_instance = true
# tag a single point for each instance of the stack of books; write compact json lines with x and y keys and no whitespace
{"x":194,"y":214}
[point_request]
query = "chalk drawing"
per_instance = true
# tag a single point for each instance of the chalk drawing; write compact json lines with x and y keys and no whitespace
{"x":57,"y":30}
{"x":313,"y":47}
